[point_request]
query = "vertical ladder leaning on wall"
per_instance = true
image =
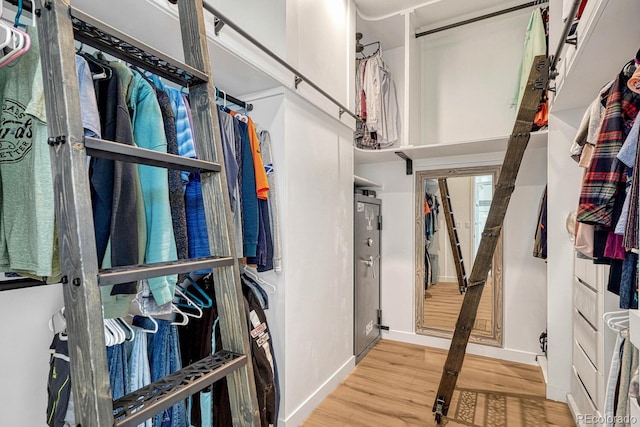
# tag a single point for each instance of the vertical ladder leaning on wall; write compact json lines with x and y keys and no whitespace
{"x":536,"y":85}
{"x":454,"y":239}
{"x":58,"y":24}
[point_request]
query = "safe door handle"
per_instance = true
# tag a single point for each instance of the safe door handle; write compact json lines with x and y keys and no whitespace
{"x":370,"y":262}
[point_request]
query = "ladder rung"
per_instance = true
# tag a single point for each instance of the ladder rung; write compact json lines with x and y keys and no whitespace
{"x":103,"y":37}
{"x":132,"y":154}
{"x":148,"y":401}
{"x":131,"y":273}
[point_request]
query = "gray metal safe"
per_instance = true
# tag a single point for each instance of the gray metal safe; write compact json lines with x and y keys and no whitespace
{"x":367,"y":314}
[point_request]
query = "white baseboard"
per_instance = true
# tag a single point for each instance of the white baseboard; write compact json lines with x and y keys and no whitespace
{"x":477,"y":349}
{"x":573,"y":407}
{"x":303,"y":411}
{"x":558,"y":394}
{"x":544,"y":366}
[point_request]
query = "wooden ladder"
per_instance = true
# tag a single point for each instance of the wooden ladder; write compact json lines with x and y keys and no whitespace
{"x":58,"y":25}
{"x":454,"y":239}
{"x":536,"y":85}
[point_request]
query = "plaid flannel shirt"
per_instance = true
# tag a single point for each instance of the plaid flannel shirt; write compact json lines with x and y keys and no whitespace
{"x":600,"y":183}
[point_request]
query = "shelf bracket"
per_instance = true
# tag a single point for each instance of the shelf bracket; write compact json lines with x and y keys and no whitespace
{"x":408,"y":161}
{"x":218,"y":26}
{"x":341,"y":112}
{"x":297,"y":81}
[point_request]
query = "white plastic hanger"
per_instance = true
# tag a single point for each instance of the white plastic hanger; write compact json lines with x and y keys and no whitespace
{"x":259,"y":280}
{"x":618,"y":321}
{"x":185,"y":318}
{"x":190,"y":304}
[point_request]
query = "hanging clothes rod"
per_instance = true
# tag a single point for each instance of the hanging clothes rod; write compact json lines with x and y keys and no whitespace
{"x":107,"y":39}
{"x":232,"y":99}
{"x":299,"y":77}
{"x":553,"y":72}
{"x":481,"y":18}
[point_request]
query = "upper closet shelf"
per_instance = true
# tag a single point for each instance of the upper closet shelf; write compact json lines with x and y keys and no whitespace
{"x":608,"y":36}
{"x":416,"y":152}
{"x":359,"y":181}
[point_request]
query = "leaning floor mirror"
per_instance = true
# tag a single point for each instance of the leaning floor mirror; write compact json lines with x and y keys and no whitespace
{"x":451,"y":209}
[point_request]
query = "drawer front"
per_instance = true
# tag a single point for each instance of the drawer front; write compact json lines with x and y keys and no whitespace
{"x":583,"y":402}
{"x":585,"y":370}
{"x":585,"y":300}
{"x":586,"y":336}
{"x":586,"y":271}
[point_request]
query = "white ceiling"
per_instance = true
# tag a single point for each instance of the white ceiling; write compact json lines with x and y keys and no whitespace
{"x":437,"y":10}
{"x":382,"y":19}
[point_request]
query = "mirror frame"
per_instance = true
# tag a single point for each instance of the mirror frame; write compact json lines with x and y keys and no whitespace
{"x":494,"y":338}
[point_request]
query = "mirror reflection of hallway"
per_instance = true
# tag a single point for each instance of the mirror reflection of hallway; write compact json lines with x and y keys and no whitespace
{"x":470,"y":192}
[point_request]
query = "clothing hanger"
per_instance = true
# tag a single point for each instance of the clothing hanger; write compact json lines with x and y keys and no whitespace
{"x":57,"y":322}
{"x":189,"y":304}
{"x":130,"y":334}
{"x":259,"y":280}
{"x":203,"y":300}
{"x":185,"y":318}
{"x":106,"y":71}
{"x":153,"y":321}
{"x":19,"y":41}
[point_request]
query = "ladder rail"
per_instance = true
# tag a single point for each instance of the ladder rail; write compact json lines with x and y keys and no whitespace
{"x":89,"y":372}
{"x":536,"y":84}
{"x":76,"y":240}
{"x":208,"y":140}
{"x":454,"y":239}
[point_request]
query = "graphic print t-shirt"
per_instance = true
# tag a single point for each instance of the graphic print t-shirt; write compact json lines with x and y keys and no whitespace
{"x":26,"y":189}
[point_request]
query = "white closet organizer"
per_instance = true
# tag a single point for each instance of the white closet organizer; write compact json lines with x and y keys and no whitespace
{"x":592,"y":344}
{"x":580,"y":345}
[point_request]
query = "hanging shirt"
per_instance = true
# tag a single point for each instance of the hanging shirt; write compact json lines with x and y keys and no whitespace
{"x":535,"y":44}
{"x":26,"y":198}
{"x":601,"y":180}
{"x":148,"y":132}
{"x":176,"y":194}
{"x":373,"y":92}
{"x":118,"y":210}
{"x":250,"y":214}
{"x":267,"y":156}
{"x":262,"y":184}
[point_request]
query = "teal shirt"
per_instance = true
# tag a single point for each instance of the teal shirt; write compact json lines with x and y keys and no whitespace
{"x":148,"y":132}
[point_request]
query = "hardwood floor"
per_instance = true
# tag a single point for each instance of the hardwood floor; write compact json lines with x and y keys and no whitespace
{"x":442,"y":304}
{"x":395,"y":385}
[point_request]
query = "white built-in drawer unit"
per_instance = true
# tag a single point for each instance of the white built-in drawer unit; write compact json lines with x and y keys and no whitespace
{"x":590,"y":335}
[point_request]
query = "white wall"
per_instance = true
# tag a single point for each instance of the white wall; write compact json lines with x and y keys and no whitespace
{"x":469,"y":77}
{"x":524,"y":276}
{"x":319,"y":257}
{"x":263,"y":20}
{"x":24,"y":360}
{"x":320,"y":44}
{"x":565,"y":179}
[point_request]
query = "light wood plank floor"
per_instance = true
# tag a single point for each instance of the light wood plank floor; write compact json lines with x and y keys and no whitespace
{"x":442,"y":305}
{"x":396,"y":383}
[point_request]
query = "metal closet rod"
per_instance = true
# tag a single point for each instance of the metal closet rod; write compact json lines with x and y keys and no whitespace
{"x":481,"y":18}
{"x":299,"y":77}
{"x":232,"y":99}
{"x":553,"y":72}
